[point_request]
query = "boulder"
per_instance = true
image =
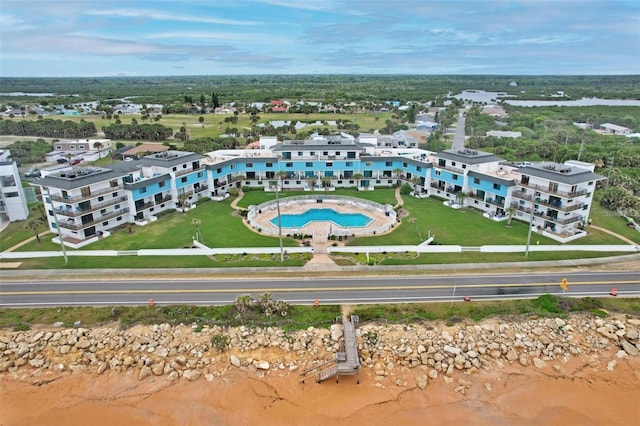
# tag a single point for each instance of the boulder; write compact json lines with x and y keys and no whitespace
{"x":235,"y":361}
{"x":262,"y":365}
{"x":539,"y":363}
{"x":144,"y":373}
{"x":629,"y":348}
{"x":336,"y":332}
{"x":83,"y":343}
{"x":191,"y":374}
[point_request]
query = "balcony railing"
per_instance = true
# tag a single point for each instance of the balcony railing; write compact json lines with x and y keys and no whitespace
{"x":187,"y":171}
{"x":69,"y":224}
{"x":450,"y":168}
{"x":520,"y":208}
{"x":495,"y":202}
{"x":547,"y":190}
{"x":144,"y":206}
{"x":93,"y":194}
{"x":81,"y":212}
{"x":522,"y":195}
{"x":560,"y":207}
{"x":202,"y":188}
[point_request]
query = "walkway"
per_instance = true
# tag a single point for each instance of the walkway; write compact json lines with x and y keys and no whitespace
{"x":28,"y":240}
{"x":620,"y":237}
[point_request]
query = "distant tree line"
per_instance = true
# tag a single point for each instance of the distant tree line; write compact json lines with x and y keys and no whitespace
{"x":204,"y":145}
{"x":152,"y":132}
{"x":48,"y":128}
{"x":25,"y":152}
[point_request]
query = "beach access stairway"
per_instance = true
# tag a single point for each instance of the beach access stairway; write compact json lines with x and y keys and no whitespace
{"x":345,"y":362}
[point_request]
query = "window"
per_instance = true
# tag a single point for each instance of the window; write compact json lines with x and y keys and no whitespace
{"x":288,"y":165}
{"x":349,"y":164}
{"x":464,"y":166}
{"x":300,"y":153}
{"x":455,"y":177}
{"x":100,"y":198}
{"x":453,"y":163}
{"x":174,"y":169}
{"x":103,"y":212}
{"x":119,"y":218}
{"x":476,"y":181}
{"x":249,"y":165}
{"x":115,"y":195}
{"x":162,"y":184}
{"x":329,"y":164}
{"x":312,"y":153}
{"x":308,"y":164}
{"x":496,"y":186}
{"x":184,"y":166}
{"x":325,"y":153}
{"x":404,"y":165}
{"x":218,"y":171}
{"x":368,"y":164}
{"x":442,"y":162}
{"x":590,"y":183}
{"x":105,"y":223}
{"x":50,"y":212}
{"x":81,"y":147}
{"x":143,"y":190}
{"x":269,"y":164}
{"x":388,"y":164}
{"x":183,"y":179}
{"x":419,"y":168}
{"x":586,"y":207}
{"x":58,"y":147}
{"x":200,"y":174}
{"x":117,"y":207}
{"x":438,"y":172}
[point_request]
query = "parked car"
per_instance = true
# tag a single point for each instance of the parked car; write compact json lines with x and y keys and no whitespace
{"x":61,"y":160}
{"x":75,"y":161}
{"x":32,"y":173}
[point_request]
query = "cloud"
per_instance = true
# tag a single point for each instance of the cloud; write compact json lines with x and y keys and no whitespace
{"x":165,"y":16}
{"x":229,"y":36}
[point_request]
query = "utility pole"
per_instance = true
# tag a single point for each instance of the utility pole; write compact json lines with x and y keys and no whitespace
{"x":581,"y":148}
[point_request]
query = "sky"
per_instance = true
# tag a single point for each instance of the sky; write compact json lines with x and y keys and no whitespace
{"x":90,"y":38}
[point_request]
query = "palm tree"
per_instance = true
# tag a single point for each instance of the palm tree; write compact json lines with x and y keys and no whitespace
{"x":357,"y":177}
{"x":312,"y":181}
{"x":415,"y":180}
{"x":34,"y":224}
{"x":510,"y":212}
{"x":461,"y":196}
{"x":397,"y":172}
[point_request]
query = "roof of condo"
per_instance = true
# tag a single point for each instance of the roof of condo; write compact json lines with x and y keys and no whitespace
{"x":564,"y":173}
{"x":469,"y":156}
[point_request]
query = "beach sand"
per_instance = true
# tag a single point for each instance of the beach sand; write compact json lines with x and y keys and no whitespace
{"x":582,"y":392}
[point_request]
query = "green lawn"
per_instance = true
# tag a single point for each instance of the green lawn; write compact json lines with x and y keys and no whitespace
{"x":611,"y":220}
{"x":256,"y":197}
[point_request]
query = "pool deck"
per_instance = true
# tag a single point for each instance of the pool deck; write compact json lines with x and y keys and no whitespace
{"x":320,"y":230}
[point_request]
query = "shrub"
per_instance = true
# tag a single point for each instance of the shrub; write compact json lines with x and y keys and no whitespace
{"x":220,"y":342}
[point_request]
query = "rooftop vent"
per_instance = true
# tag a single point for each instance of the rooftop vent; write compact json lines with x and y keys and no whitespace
{"x":565,"y":170}
{"x":467,"y":151}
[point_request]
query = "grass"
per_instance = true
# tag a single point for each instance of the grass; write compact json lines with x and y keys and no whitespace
{"x":300,"y":317}
{"x":159,"y":262}
{"x":545,"y":305}
{"x":611,"y":220}
{"x":256,"y":197}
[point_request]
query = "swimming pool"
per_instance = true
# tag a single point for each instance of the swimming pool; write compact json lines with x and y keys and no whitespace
{"x":319,"y":215}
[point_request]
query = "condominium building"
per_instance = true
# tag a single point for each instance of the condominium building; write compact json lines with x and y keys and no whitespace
{"x":85,"y":203}
{"x":13,"y":204}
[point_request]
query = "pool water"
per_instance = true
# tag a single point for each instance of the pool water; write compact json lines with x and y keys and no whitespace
{"x":317,"y":215}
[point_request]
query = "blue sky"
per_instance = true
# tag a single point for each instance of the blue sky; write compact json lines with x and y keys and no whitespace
{"x":207,"y":37}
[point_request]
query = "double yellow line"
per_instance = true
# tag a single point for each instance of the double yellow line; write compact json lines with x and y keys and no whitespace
{"x":300,"y":289}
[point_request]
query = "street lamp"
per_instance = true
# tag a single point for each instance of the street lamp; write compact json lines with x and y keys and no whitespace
{"x":526,"y":251}
{"x":279,"y":220}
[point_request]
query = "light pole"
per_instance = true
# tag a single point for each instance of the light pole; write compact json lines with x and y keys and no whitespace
{"x":526,"y":251}
{"x":279,"y":220}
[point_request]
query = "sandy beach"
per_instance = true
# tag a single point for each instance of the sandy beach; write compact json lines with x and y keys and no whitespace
{"x":582,"y":392}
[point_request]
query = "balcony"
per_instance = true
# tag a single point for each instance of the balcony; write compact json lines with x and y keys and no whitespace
{"x":560,"y":207}
{"x":522,"y":195}
{"x":565,"y":221}
{"x":547,"y":190}
{"x":81,"y":212}
{"x":453,"y":169}
{"x":141,"y":207}
{"x":69,"y":224}
{"x":202,"y":188}
{"x":187,"y":171}
{"x":495,"y":202}
{"x":520,"y":208}
{"x":93,"y":194}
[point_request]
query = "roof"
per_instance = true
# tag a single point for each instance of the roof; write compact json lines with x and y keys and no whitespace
{"x":147,"y":147}
{"x":468,"y":156}
{"x":560,"y":173}
{"x":84,"y":176}
{"x":170,"y":158}
{"x":614,"y":127}
{"x":492,"y":179}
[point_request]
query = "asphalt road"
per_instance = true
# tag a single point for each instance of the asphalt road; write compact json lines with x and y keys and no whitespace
{"x":307,"y":290}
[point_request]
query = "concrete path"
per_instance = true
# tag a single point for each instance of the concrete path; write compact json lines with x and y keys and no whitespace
{"x":620,"y":237}
{"x":28,"y":240}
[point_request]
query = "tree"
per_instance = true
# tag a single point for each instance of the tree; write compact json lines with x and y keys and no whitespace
{"x":357,"y":177}
{"x":510,"y":212}
{"x":34,"y":224}
{"x":201,"y":120}
{"x":397,"y":171}
{"x":461,"y":196}
{"x":312,"y":180}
